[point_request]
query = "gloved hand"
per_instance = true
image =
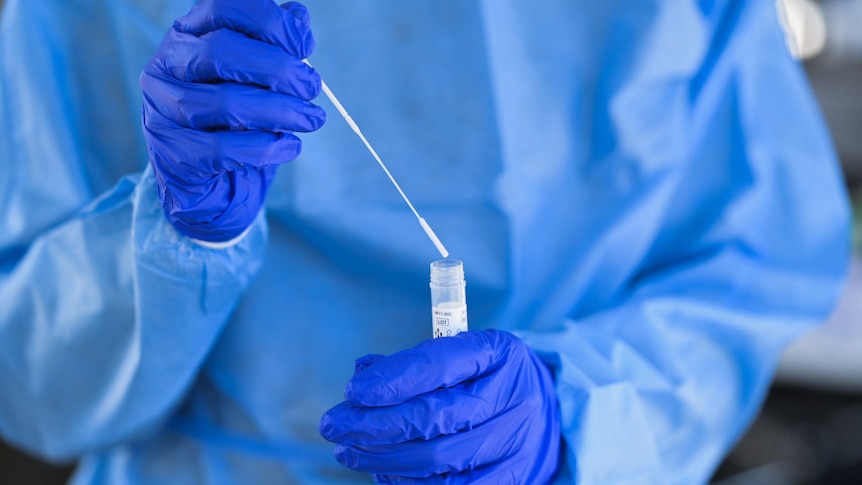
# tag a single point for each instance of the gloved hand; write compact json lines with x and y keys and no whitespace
{"x":478,"y":407}
{"x":222,"y":97}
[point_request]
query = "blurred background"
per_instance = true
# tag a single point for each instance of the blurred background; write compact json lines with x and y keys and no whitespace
{"x":810,"y":429}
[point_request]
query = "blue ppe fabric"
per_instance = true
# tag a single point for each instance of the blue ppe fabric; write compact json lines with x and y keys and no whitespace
{"x":223,"y":95}
{"x":642,"y":191}
{"x":478,"y":407}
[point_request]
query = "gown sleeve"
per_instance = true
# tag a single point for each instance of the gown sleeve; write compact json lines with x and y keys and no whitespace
{"x":106,"y":312}
{"x":750,"y":252}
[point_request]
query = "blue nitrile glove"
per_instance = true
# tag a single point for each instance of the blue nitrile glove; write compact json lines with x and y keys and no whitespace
{"x":222,"y":97}
{"x":478,"y":407}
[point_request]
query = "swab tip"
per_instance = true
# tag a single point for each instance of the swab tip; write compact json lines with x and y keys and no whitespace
{"x":434,"y":238}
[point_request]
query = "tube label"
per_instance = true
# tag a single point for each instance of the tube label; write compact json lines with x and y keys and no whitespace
{"x":449,"y":320}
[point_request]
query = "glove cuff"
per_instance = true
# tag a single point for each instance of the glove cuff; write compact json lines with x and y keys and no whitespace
{"x":224,"y":244}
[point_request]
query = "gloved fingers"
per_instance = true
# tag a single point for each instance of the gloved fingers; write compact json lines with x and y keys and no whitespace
{"x":229,"y":106}
{"x":508,"y":472}
{"x":286,"y":26}
{"x":434,"y":363}
{"x":366,"y":360}
{"x":194,"y":156}
{"x":225,"y":55}
{"x":441,"y":412}
{"x":496,"y":440}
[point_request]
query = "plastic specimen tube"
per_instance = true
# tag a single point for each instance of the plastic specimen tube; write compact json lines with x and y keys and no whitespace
{"x":448,"y":298}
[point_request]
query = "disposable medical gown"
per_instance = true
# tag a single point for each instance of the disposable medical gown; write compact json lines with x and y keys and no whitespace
{"x":643,"y":190}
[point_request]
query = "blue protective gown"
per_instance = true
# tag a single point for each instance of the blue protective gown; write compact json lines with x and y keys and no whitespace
{"x":643,"y":190}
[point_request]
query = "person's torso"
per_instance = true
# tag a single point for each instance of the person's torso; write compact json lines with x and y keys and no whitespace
{"x":492,"y":118}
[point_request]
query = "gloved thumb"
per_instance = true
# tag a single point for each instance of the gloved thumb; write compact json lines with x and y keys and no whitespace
{"x":366,"y":360}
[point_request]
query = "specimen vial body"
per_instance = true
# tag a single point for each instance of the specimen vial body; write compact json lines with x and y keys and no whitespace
{"x":448,"y":298}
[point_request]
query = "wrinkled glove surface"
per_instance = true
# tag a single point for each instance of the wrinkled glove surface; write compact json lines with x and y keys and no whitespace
{"x":479,"y":407}
{"x":222,"y":98}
